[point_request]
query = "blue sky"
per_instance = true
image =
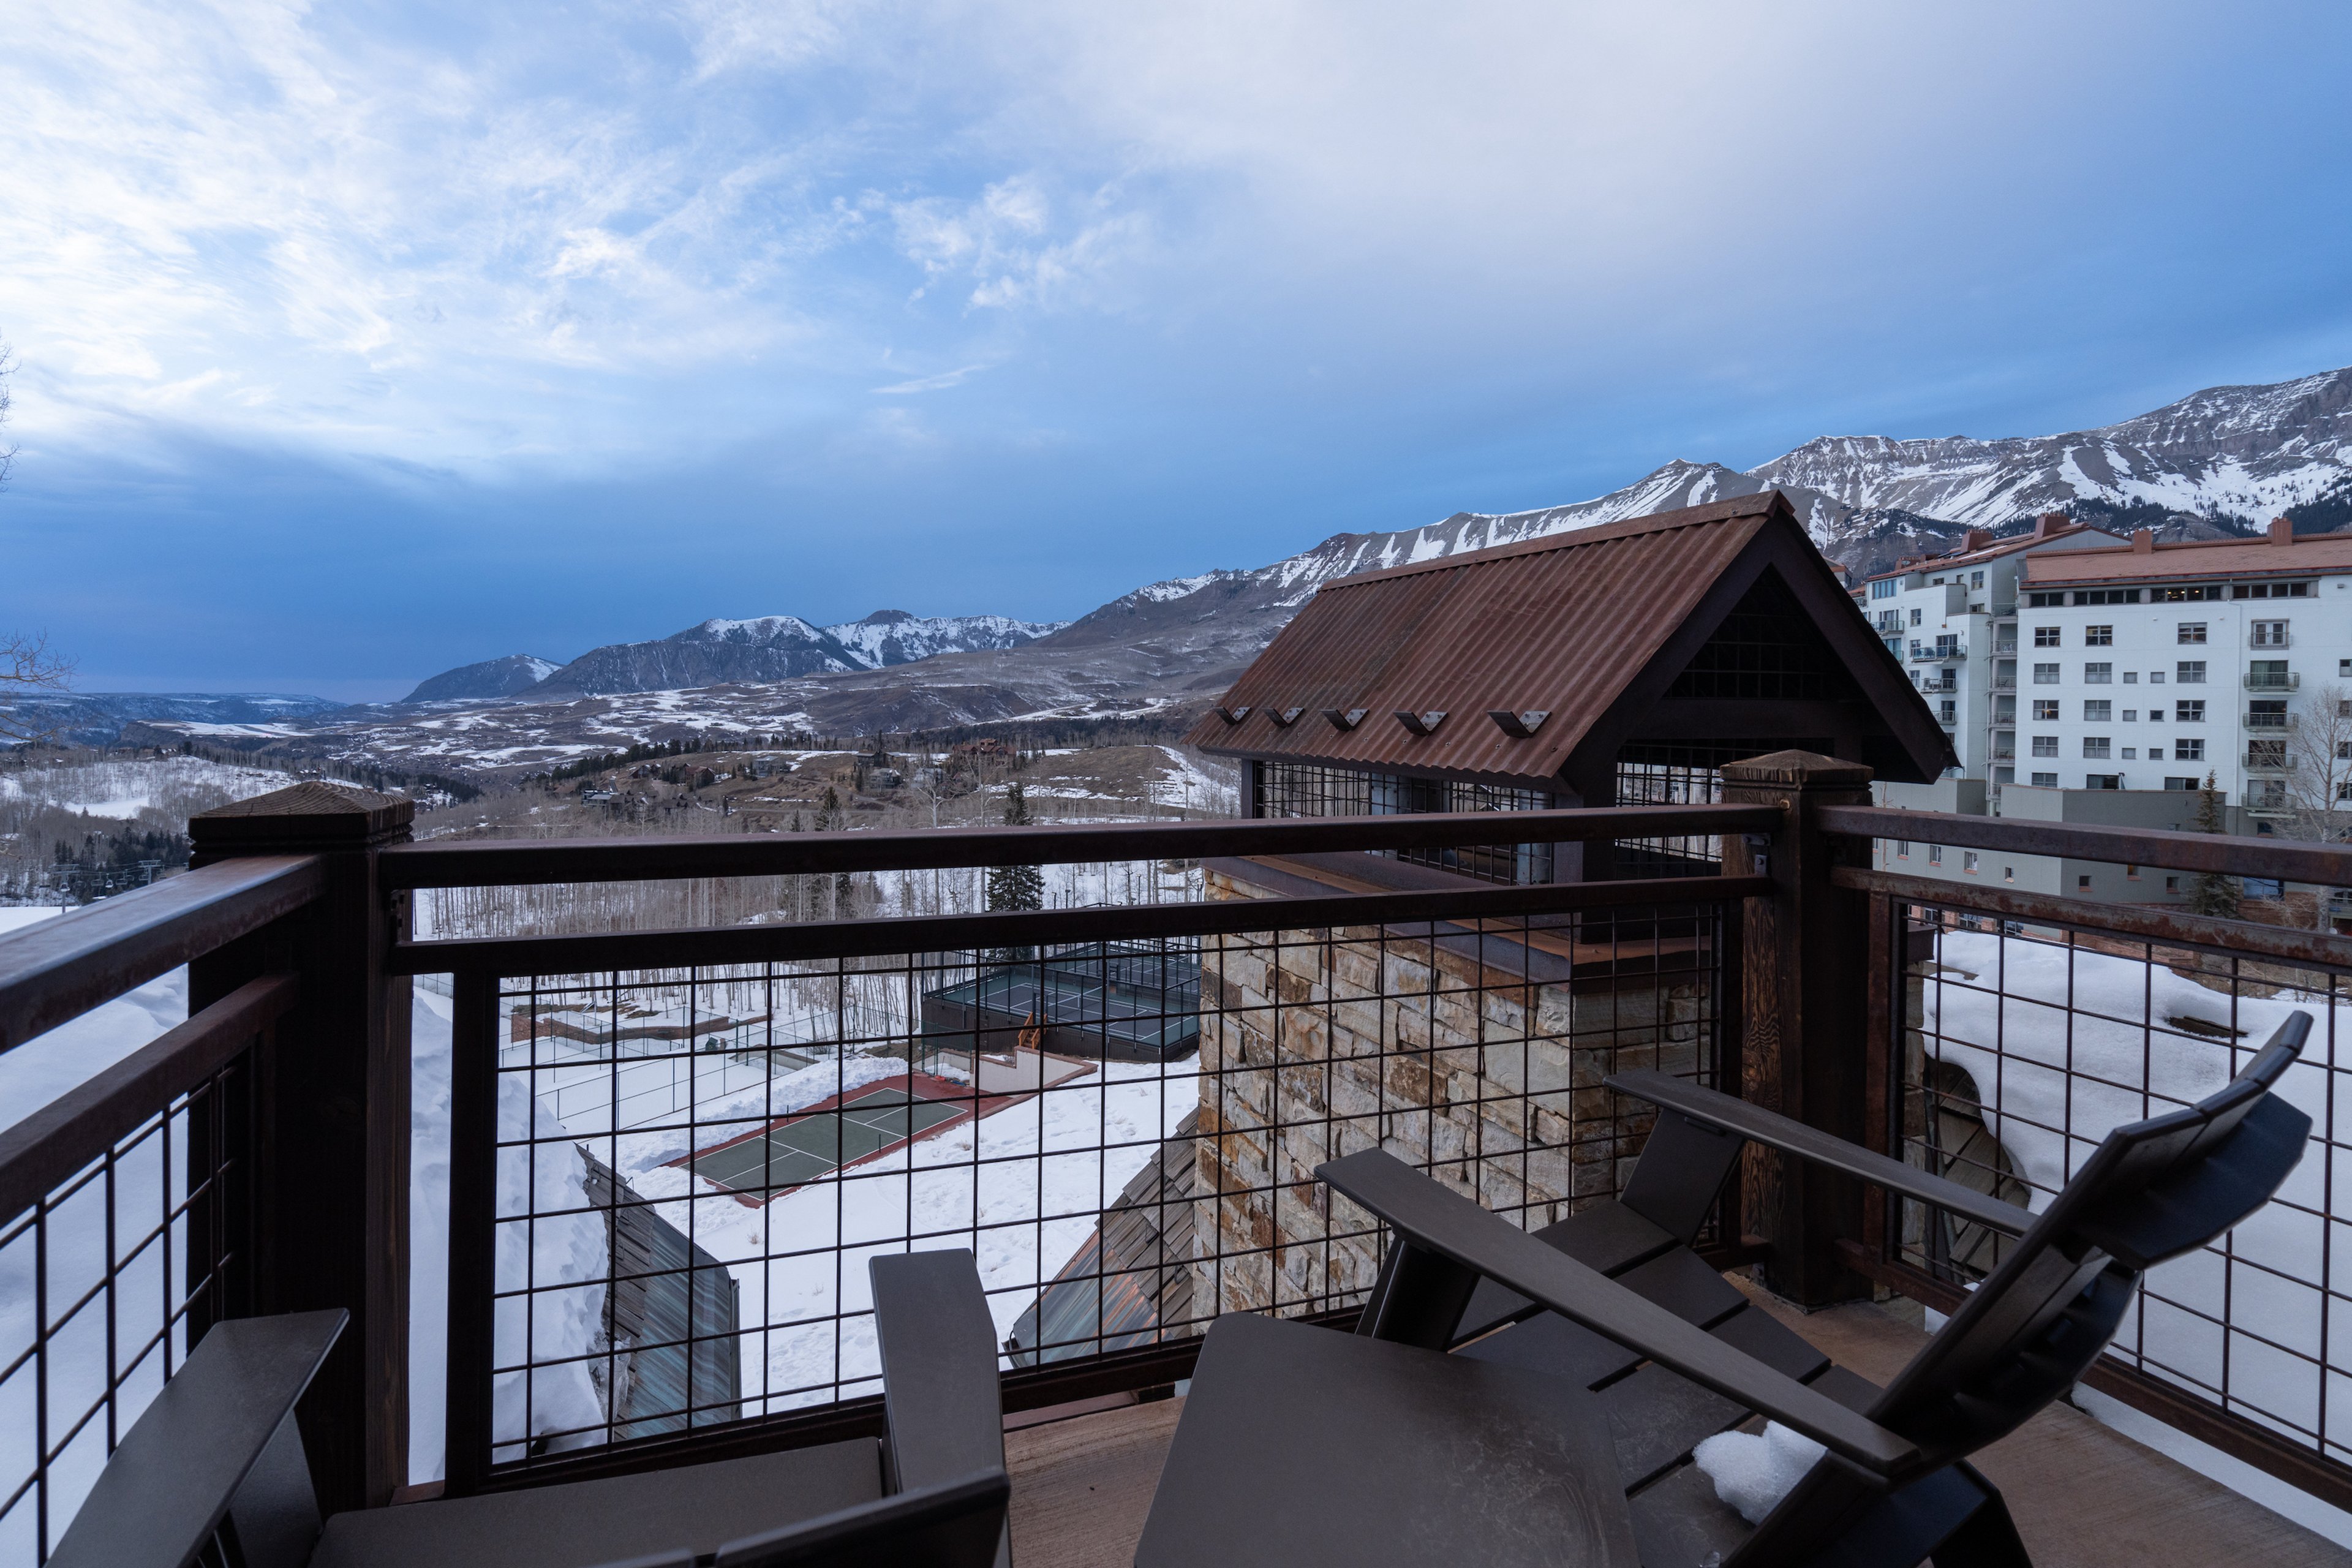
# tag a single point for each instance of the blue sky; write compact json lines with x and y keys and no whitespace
{"x":359,"y":341}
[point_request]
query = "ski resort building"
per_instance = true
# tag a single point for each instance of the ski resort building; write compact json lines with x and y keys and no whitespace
{"x":1952,"y":620}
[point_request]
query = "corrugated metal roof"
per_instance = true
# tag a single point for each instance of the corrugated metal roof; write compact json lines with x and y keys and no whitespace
{"x":1562,"y":623}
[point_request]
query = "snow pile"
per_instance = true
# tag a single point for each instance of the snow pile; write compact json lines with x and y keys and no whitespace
{"x":564,"y":1259}
{"x":2141,"y":1041}
{"x":1752,"y":1472}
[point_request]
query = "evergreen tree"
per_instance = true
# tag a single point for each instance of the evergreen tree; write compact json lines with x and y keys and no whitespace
{"x":1016,"y":886}
{"x":2212,"y":893}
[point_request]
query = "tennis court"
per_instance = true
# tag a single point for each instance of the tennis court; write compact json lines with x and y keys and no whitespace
{"x":815,"y":1145}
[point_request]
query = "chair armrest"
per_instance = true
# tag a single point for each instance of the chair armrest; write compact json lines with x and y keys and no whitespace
{"x":1452,"y":1225}
{"x":171,"y":1480}
{"x":938,"y":1367}
{"x":1775,"y":1130}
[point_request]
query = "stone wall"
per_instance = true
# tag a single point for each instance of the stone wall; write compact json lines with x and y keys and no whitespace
{"x":1328,"y":1042}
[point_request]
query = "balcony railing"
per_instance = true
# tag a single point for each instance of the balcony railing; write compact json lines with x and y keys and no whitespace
{"x":667,"y":1150}
{"x":2270,"y":721}
{"x":1937,"y":652}
{"x":2273,"y":681}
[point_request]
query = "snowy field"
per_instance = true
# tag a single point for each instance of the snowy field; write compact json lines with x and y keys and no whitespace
{"x":121,"y":790}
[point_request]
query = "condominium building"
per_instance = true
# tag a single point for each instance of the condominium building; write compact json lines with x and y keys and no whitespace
{"x":2149,"y":667}
{"x":1952,"y":620}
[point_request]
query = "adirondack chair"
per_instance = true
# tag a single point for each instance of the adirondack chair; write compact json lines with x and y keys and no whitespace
{"x":213,"y":1470}
{"x":1611,"y":1312}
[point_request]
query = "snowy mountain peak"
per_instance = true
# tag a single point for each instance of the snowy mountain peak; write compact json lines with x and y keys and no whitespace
{"x":491,"y":677}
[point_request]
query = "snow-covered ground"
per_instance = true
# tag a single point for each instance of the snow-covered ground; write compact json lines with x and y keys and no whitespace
{"x":2141,"y":1040}
{"x":121,"y":790}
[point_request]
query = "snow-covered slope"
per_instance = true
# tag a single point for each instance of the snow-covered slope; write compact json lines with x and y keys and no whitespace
{"x":2246,"y":453}
{"x":780,"y":647}
{"x":491,"y":677}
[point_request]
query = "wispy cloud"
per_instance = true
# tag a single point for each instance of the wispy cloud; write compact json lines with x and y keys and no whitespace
{"x":939,"y":382}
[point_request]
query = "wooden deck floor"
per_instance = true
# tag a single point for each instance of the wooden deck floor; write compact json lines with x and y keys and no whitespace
{"x":2084,"y":1496}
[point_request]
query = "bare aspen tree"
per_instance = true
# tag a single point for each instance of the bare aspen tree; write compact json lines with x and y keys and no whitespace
{"x":2319,"y":775}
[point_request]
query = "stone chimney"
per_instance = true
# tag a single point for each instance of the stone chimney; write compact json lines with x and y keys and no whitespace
{"x":2143,"y":541}
{"x":2281,"y":530}
{"x":2050,"y":524}
{"x":1974,"y":539}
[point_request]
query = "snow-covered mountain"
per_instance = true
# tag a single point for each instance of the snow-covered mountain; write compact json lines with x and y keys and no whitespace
{"x":491,"y":677}
{"x":2240,"y":453}
{"x":780,"y":647}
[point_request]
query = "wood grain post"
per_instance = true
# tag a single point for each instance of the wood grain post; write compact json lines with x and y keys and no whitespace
{"x":331,"y":1168}
{"x":1805,"y":1040}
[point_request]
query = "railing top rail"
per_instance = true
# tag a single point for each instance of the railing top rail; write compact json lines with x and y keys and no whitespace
{"x":713,"y":946}
{"x":57,"y":970}
{"x":2227,"y":854}
{"x":508,"y":864}
{"x":44,"y":1149}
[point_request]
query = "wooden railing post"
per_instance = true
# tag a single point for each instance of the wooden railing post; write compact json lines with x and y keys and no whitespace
{"x":1804,"y":1042}
{"x":330,"y":1172}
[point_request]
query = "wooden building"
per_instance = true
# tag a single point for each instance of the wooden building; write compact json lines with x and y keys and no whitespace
{"x":1616,"y":665}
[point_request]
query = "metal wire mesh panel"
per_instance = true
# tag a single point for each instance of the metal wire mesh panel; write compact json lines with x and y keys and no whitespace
{"x":105,"y":1282}
{"x":692,"y":1167}
{"x":2021,"y":1045}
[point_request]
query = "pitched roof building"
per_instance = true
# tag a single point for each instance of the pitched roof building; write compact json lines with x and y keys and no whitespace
{"x":1609,"y":665}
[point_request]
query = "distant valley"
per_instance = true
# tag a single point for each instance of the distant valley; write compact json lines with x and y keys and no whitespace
{"x":2216,"y":463}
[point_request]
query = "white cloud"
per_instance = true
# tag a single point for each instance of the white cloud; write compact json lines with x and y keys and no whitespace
{"x":939,"y":382}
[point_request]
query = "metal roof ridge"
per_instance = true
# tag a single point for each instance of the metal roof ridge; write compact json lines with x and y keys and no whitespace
{"x":1727,"y":510}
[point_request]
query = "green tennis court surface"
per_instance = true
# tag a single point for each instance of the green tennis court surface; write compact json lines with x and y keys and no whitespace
{"x":804,"y":1149}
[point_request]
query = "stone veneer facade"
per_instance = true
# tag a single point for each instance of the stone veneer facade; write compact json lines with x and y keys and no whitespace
{"x":1337,"y":1040}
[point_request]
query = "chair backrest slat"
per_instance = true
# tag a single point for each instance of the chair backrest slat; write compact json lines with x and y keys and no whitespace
{"x":2151,"y":1191}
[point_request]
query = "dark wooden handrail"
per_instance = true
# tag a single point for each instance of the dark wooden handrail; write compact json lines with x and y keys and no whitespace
{"x":500,"y":956}
{"x":56,"y":970}
{"x":2166,"y":925}
{"x":2228,"y":854}
{"x":502,"y":863}
{"x":44,"y":1149}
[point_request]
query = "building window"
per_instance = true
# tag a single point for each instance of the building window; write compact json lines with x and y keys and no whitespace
{"x":2131,"y":753}
{"x":1306,"y":789}
{"x":2270,"y":591}
{"x":2343,"y":751}
{"x":2046,"y":745}
{"x":2098,"y":710}
{"x":2098,"y":637}
{"x":1969,"y":861}
{"x":2046,"y":675}
{"x":2189,"y":713}
{"x":2172,"y":884}
{"x":2192,"y":750}
{"x":1935,"y":854}
{"x":2103,"y":780}
{"x":2098,"y":674}
{"x":2189,"y":672}
{"x":2107,"y":597}
{"x":2268,"y":675}
{"x":1975,"y":579}
{"x":2045,"y":781}
{"x":2131,"y":873}
{"x":2131,"y":715}
{"x":1883,"y":589}
{"x":2082,"y":883}
{"x":2008,"y":873}
{"x":2095,"y":746}
{"x":2155,"y":677}
{"x":1914,"y":617}
{"x":2191,"y":632}
{"x":2045,"y":637}
{"x":2155,"y":754}
{"x":2343,"y":669}
{"x":2156,"y":715}
{"x":2045,"y":601}
{"x":2181,"y":784}
{"x":1903,"y":849}
{"x":2270,"y":634}
{"x":2267,"y":754}
{"x":2046,"y":708}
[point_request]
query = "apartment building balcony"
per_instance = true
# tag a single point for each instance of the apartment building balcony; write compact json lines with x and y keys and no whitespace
{"x":2260,"y":720}
{"x":2273,"y":681}
{"x":1939,"y":653}
{"x":252,"y":1146}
